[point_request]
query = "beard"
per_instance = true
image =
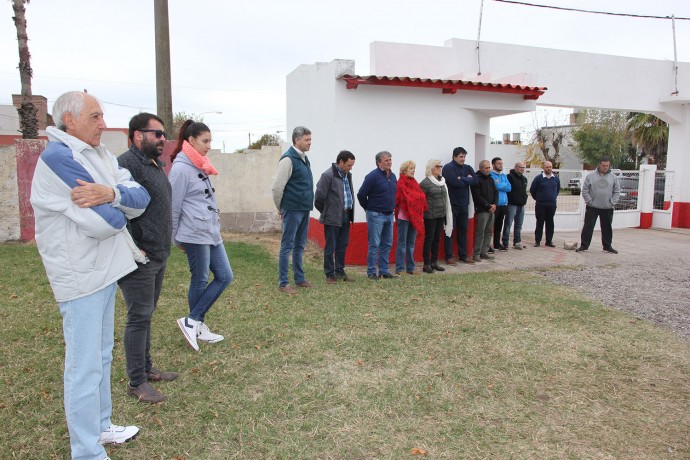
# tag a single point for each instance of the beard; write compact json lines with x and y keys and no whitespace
{"x":152,"y":150}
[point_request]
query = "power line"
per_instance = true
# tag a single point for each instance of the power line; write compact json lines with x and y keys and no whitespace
{"x":645,"y":16}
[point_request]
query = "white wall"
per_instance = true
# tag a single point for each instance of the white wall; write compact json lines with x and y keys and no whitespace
{"x":412,"y":123}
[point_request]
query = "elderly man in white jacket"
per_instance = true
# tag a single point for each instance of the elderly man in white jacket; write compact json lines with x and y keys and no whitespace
{"x":82,"y":200}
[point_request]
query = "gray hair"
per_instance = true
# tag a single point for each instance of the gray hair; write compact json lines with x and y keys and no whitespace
{"x":298,"y":132}
{"x":430,"y":167}
{"x":380,"y":155}
{"x":72,"y":102}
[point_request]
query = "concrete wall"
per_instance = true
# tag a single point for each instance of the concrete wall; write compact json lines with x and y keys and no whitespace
{"x":243,"y":189}
{"x":9,"y":198}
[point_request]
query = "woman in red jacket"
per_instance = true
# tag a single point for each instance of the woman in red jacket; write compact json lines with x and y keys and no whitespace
{"x":410,"y":204}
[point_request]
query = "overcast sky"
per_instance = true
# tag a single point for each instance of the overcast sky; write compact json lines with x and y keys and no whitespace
{"x":233,"y":56}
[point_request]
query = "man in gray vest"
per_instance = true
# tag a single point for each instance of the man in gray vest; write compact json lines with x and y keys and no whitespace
{"x":293,"y":195}
{"x":601,"y":191}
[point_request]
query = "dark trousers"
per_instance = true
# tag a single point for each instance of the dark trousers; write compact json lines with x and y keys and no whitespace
{"x":141,"y":290}
{"x":337,"y":239}
{"x":499,"y":217}
{"x":544,"y":215}
{"x":432,"y":239}
{"x":605,"y":219}
{"x":460,"y":220}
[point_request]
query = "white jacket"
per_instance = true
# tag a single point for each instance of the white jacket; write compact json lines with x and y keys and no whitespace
{"x":83,"y":249}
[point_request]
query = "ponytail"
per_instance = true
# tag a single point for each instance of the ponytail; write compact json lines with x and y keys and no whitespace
{"x":189,"y":128}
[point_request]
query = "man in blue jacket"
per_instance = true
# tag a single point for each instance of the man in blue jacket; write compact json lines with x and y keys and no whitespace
{"x":459,"y":178}
{"x":293,"y":195}
{"x":503,"y":187}
{"x":377,"y":198}
{"x":545,"y":189}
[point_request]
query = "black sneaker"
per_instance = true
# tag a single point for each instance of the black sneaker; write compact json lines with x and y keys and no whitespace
{"x":550,"y":244}
{"x":491,"y":250}
{"x":581,"y":249}
{"x":610,"y":250}
{"x":374,"y":277}
{"x":503,"y":248}
{"x":389,"y":276}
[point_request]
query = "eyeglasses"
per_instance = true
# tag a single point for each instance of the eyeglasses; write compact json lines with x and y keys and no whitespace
{"x":438,"y":166}
{"x":158,"y":132}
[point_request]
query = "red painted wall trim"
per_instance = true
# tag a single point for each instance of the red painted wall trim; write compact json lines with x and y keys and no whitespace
{"x":28,"y":151}
{"x":359,"y":242}
{"x":681,"y":215}
{"x":646,"y":219}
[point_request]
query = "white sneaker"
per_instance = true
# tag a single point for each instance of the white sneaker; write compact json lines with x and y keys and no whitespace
{"x":190,"y":329}
{"x":206,"y":335}
{"x":116,"y":434}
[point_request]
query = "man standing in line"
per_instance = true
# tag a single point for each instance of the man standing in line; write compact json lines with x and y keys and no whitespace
{"x":459,"y":178}
{"x":377,"y":198}
{"x":293,"y":195}
{"x":152,"y":233}
{"x":503,"y":187}
{"x":517,"y":198}
{"x":484,"y":195}
{"x":601,"y":192}
{"x":334,"y":199}
{"x":545,"y":189}
{"x":81,"y":201}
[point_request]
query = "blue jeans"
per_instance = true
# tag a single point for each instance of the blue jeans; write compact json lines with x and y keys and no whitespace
{"x":517,"y":214}
{"x":295,"y":229}
{"x":88,"y":325}
{"x":380,"y":233}
{"x":404,"y":253}
{"x":337,"y":239}
{"x":202,"y":294}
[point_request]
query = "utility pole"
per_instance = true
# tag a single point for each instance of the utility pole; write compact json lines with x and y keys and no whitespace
{"x":163,"y":80}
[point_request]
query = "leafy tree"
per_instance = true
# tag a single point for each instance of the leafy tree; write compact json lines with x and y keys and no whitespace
{"x":28,"y":119}
{"x":266,"y":139}
{"x":178,"y":119}
{"x":650,"y":135}
{"x":603,"y":133}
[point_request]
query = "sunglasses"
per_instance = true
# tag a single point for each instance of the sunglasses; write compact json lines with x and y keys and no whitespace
{"x":158,"y":132}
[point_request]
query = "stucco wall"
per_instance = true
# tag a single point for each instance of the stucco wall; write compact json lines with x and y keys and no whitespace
{"x":9,"y":198}
{"x":243,"y":189}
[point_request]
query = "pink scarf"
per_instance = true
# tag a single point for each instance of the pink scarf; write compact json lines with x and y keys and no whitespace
{"x":198,"y":159}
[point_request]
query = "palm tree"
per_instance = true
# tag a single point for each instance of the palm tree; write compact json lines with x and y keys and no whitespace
{"x":650,"y":135}
{"x":27,"y":111}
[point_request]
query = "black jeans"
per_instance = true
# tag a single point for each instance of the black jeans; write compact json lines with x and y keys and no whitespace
{"x":499,"y":217}
{"x":432,"y":239}
{"x":605,"y":219}
{"x":460,"y":220}
{"x":544,"y":215}
{"x":337,"y":239}
{"x":141,"y":290}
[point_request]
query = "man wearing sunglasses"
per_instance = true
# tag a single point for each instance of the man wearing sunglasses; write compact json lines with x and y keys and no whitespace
{"x":152,"y":232}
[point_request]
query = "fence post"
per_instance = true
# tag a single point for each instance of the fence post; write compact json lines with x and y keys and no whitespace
{"x":646,"y":195}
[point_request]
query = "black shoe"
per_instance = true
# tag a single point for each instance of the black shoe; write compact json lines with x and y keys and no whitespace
{"x":491,"y":250}
{"x":581,"y":249}
{"x":503,"y":248}
{"x":389,"y":276}
{"x":427,"y":269}
{"x":550,"y":244}
{"x":374,"y":277}
{"x":437,"y":267}
{"x":537,"y":244}
{"x":610,"y":250}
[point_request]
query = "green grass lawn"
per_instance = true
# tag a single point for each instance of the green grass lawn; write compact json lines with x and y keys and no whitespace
{"x":482,"y":365}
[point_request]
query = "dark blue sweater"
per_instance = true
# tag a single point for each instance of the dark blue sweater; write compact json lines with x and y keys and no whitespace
{"x":545,"y":191}
{"x":459,"y":183}
{"x":377,"y":192}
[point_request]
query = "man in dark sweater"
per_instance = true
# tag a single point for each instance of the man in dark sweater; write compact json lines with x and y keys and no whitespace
{"x":459,"y":178}
{"x":545,"y":189}
{"x":485,"y":195}
{"x":517,"y":198}
{"x":152,"y":233}
{"x":377,"y":198}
